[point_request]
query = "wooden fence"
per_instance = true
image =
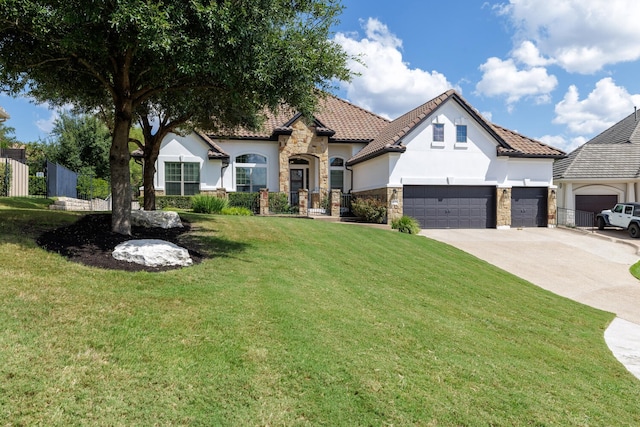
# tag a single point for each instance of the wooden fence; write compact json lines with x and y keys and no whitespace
{"x":19,"y":177}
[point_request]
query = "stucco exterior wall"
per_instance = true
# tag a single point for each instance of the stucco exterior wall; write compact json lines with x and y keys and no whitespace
{"x":568,"y":190}
{"x":475,"y":162}
{"x":235,"y":148}
{"x":187,"y":149}
{"x":191,"y":148}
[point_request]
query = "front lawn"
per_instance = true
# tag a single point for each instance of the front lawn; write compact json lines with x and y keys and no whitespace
{"x":296,"y":322}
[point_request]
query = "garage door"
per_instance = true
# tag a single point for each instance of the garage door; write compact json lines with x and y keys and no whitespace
{"x":451,"y":206}
{"x":529,"y":207}
{"x":587,"y":205}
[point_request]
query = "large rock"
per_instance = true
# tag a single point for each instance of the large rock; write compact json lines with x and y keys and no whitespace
{"x":152,"y":253}
{"x":161,"y":219}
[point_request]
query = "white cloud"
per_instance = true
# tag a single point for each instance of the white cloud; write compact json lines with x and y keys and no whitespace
{"x":386,"y":84}
{"x":563,"y":143}
{"x":606,"y":105}
{"x":527,"y":53}
{"x":503,"y":78}
{"x":46,"y":124}
{"x":581,"y":36}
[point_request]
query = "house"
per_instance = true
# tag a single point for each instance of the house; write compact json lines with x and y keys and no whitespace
{"x":441,"y":163}
{"x":603,"y":171}
{"x":12,"y":160}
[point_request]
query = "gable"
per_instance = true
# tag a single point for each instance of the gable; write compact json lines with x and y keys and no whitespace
{"x":190,"y":146}
{"x":614,"y":153}
{"x":393,"y":137}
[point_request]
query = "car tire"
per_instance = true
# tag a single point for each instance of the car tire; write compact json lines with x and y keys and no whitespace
{"x":634,"y":231}
{"x":601,"y":223}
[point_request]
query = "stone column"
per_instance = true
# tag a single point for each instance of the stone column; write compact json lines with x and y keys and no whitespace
{"x":503,"y":205}
{"x":569,"y":204}
{"x":303,"y":202}
{"x":336,"y":195}
{"x":264,"y":201}
{"x":631,"y":192}
{"x":552,"y":207}
{"x":395,"y":208}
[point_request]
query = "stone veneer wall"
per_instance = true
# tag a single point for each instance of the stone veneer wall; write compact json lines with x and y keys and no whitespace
{"x":552,"y":207}
{"x":303,"y":141}
{"x":393,"y":202}
{"x":503,"y":207}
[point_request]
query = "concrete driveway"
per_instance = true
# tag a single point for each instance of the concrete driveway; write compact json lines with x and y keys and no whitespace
{"x":588,"y":267}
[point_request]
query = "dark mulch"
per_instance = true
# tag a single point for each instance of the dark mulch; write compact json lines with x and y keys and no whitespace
{"x":90,"y":241}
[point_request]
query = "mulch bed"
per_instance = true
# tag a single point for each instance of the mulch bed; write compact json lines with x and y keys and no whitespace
{"x":90,"y":241}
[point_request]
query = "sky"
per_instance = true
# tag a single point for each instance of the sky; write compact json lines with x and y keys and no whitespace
{"x":558,"y":74}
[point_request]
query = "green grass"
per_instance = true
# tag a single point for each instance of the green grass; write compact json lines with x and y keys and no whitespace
{"x":296,"y":322}
{"x":635,"y":270}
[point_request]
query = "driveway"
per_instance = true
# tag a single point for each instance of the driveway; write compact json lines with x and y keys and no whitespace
{"x":591,"y":268}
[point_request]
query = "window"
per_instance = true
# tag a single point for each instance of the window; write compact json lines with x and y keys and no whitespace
{"x":438,"y":132}
{"x":181,"y":179}
{"x":251,"y":173}
{"x":336,"y":176}
{"x":461,"y":133}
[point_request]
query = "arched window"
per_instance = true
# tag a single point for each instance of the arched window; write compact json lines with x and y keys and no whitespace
{"x":336,"y":177}
{"x":251,"y":172}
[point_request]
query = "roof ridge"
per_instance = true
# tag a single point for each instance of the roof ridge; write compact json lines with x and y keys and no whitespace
{"x":636,"y":129}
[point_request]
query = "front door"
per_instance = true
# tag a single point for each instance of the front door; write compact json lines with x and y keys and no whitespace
{"x":298,"y":180}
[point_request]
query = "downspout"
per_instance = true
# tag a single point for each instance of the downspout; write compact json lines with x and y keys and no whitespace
{"x":225,"y":164}
{"x":351,"y":175}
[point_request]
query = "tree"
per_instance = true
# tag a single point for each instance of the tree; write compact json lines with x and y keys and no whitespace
{"x":182,"y":113}
{"x":81,"y":143}
{"x":6,"y":136}
{"x":252,"y":53}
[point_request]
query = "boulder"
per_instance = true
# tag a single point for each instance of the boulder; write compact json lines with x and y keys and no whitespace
{"x":152,"y":253}
{"x":161,"y":219}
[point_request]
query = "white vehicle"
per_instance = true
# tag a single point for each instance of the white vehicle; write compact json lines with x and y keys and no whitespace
{"x":623,"y":215}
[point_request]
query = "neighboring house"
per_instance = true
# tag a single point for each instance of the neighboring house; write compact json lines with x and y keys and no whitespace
{"x":603,"y":171}
{"x":3,"y":115}
{"x":441,"y":163}
{"x":16,"y":182}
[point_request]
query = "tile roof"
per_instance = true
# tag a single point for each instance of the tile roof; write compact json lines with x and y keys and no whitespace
{"x":215,"y":151}
{"x":614,"y":153}
{"x":510,"y":143}
{"x":336,"y":118}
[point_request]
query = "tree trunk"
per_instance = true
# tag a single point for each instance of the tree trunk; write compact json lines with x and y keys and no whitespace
{"x":148,"y":173}
{"x":120,"y":178}
{"x":151,"y":152}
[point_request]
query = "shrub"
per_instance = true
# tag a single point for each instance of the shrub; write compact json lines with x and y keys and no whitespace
{"x":279,"y":203}
{"x":208,"y":204}
{"x":369,"y":209}
{"x":406,"y":224}
{"x":5,"y":179}
{"x":249,"y":201}
{"x":177,"y":202}
{"x":92,"y":188}
{"x":236,"y":210}
{"x":37,"y":186}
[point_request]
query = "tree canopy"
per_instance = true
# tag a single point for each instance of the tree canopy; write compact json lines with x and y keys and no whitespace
{"x":238,"y":56}
{"x":81,"y":143}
